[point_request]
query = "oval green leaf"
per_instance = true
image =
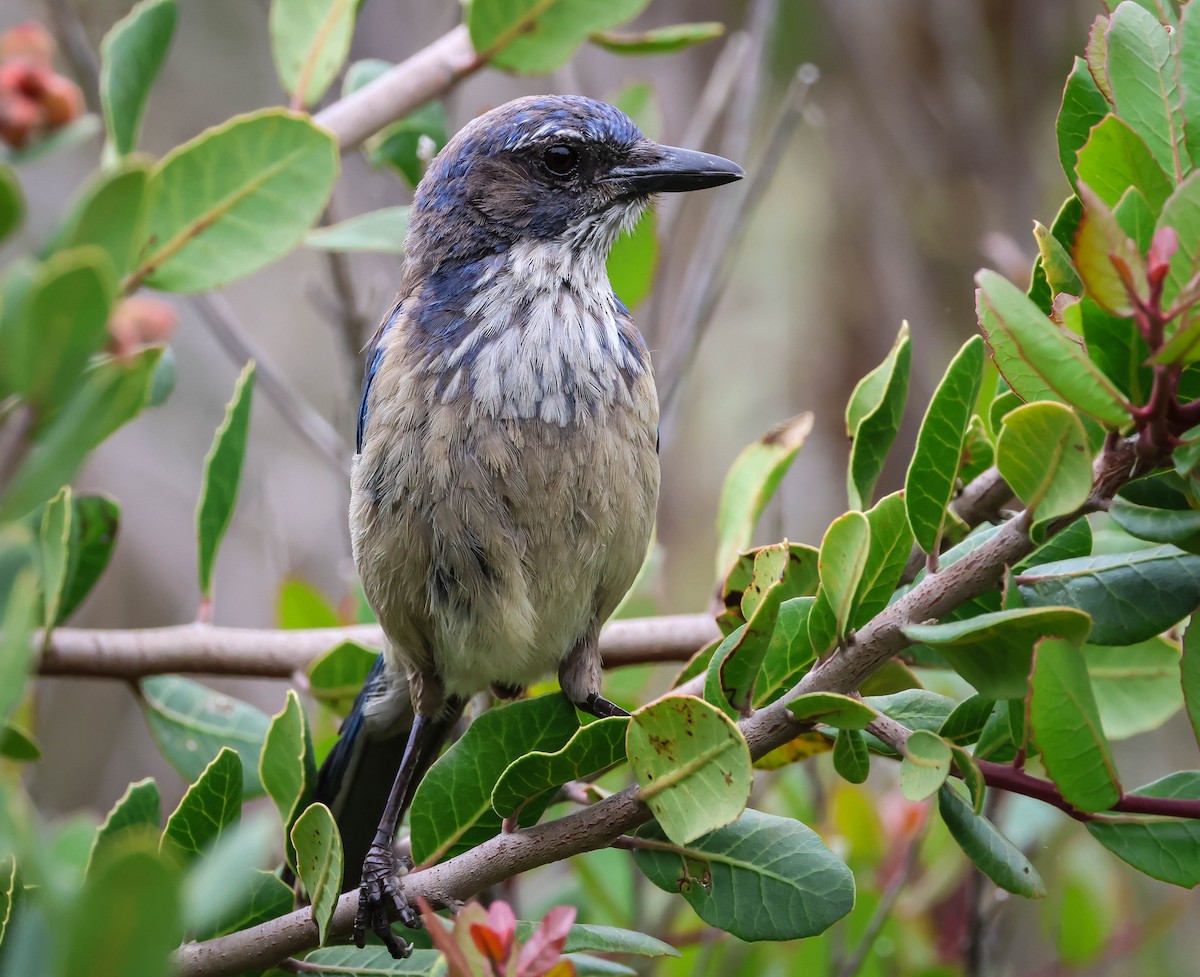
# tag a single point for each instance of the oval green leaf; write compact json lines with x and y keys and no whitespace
{"x":191,"y":723}
{"x":1067,"y":728}
{"x":1043,"y":454}
{"x":234,"y":199}
{"x":925,"y":766}
{"x":933,"y":471}
{"x":207,"y":809}
{"x":1130,"y":597}
{"x":319,"y":862}
{"x":131,"y":55}
{"x":873,"y":419}
{"x":310,"y":40}
{"x":692,"y":763}
{"x":222,"y":476}
{"x":380,"y":232}
{"x":994,"y":855}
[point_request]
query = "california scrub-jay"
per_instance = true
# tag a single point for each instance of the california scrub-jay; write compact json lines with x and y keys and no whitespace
{"x":506,"y":479}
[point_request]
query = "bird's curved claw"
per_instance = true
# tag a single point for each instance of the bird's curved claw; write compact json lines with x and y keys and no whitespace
{"x":381,"y":899}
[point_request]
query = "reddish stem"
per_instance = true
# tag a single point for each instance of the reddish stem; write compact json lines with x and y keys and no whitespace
{"x":1019,"y":782}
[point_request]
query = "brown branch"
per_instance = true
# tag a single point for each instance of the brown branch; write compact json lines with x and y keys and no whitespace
{"x":597,"y":826}
{"x":401,"y":89}
{"x":1014,"y":780}
{"x":202,"y":649}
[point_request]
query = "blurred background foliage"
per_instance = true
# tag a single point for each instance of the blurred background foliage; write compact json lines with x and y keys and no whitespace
{"x":921,"y":152}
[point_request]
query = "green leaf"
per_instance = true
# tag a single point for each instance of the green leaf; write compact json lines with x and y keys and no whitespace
{"x":138,"y":810}
{"x":604,"y":939}
{"x":761,"y":878}
{"x":1182,"y":212}
{"x":1187,"y":55}
{"x":843,"y":559}
{"x":914,"y":708}
{"x":832,"y":709}
{"x":265,"y":897}
{"x":380,"y":231}
{"x":536,"y":36}
{"x":16,"y":744}
{"x":1066,"y":727}
{"x":750,"y":483}
{"x":1043,"y":453}
{"x":8,"y":888}
{"x":310,"y":40}
{"x":994,"y":652}
{"x":595,"y":746}
{"x":127,"y":918}
{"x":963,"y":726}
{"x":319,"y":862}
{"x":374,"y":961}
{"x":336,"y":677}
{"x":1131,"y":597}
{"x":873,"y":419}
{"x":109,"y":394}
{"x":1117,"y":347}
{"x":12,"y":203}
{"x":1178,"y":526}
{"x":286,"y":766}
{"x":234,"y":199}
{"x":633,"y":260}
{"x":790,"y":653}
{"x":1116,"y":158}
{"x":452,"y":809}
{"x":16,"y":640}
{"x":226,"y":878}
{"x":926,"y":765}
{"x":735,"y":665}
{"x":1135,"y":218}
{"x":993,"y":854}
{"x":850,"y":757}
{"x":1143,"y":76}
{"x":300,"y":605}
{"x":933,"y":471}
{"x":1057,"y":362}
{"x":1057,"y":266}
{"x":891,"y":545}
{"x":1137,"y":688}
{"x":1082,"y":107}
{"x":222,"y":476}
{"x":1189,"y":665}
{"x":94,"y":523}
{"x":692,"y":763}
{"x":207,"y":809}
{"x":56,"y":552}
{"x":1102,"y":251}
{"x":659,"y":40}
{"x":191,"y":723}
{"x":111,"y":214}
{"x":131,"y":55}
{"x":61,"y":323}
{"x":1167,"y":849}
{"x":408,"y":145}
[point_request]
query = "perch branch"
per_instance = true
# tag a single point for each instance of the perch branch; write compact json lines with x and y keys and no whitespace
{"x":203,"y":649}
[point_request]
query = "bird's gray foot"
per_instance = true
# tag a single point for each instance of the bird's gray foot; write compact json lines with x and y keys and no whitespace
{"x":381,"y":899}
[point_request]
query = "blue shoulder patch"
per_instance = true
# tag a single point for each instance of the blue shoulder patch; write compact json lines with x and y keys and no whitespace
{"x":374,"y":358}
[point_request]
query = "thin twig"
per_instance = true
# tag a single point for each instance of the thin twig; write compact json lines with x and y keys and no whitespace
{"x":709,"y":274}
{"x":206,"y":650}
{"x":296,"y":411}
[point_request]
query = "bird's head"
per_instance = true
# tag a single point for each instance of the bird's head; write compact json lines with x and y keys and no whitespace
{"x":548,"y":168}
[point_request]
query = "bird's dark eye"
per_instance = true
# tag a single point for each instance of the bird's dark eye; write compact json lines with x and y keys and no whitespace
{"x":560,"y":159}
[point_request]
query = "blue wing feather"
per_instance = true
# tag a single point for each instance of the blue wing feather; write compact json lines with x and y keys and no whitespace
{"x":375,"y":352}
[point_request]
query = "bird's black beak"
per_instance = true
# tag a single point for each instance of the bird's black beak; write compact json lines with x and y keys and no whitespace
{"x":652,"y":168}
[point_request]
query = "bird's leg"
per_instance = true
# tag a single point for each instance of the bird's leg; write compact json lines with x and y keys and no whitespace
{"x":380,"y":895}
{"x":579,"y":676}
